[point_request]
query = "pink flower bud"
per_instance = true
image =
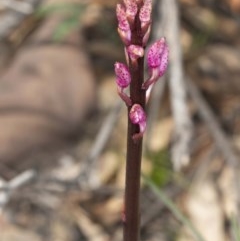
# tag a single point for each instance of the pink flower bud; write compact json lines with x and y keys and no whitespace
{"x":131,"y":10}
{"x":135,"y":52}
{"x":137,"y":116}
{"x":157,"y":59}
{"x":123,"y":79}
{"x":123,"y":76}
{"x":157,"y":53}
{"x":122,"y":18}
{"x":145,"y":14}
{"x":123,"y":24}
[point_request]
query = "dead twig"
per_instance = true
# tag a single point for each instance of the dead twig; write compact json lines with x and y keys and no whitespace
{"x":183,"y":124}
{"x":21,"y":7}
{"x":15,"y":15}
{"x":92,"y":230}
{"x":221,"y":139}
{"x":6,"y":188}
{"x":85,"y":178}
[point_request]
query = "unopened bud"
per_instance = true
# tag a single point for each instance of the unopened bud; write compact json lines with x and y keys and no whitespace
{"x":145,"y":15}
{"x":124,"y":29}
{"x":131,"y":10}
{"x":123,"y":79}
{"x":157,"y":59}
{"x":137,"y":116}
{"x":135,"y":52}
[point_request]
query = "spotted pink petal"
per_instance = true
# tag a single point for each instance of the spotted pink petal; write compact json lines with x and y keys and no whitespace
{"x":123,"y":77}
{"x":138,"y":116}
{"x":145,"y":13}
{"x":122,"y":18}
{"x":157,"y":59}
{"x":124,"y":29}
{"x":135,"y":52}
{"x":131,"y":9}
{"x":155,"y":53}
{"x":164,"y":61}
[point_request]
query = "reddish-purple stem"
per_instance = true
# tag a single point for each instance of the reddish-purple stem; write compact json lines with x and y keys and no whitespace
{"x":134,"y":148}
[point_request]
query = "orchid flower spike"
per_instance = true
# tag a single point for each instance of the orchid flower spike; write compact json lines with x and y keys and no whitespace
{"x":157,"y":59}
{"x":138,"y":116}
{"x":123,"y":79}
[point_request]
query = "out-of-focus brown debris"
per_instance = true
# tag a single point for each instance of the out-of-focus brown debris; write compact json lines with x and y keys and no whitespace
{"x":235,"y":5}
{"x":42,"y":94}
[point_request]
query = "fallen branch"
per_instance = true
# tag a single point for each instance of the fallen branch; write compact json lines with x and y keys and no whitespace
{"x":183,"y":123}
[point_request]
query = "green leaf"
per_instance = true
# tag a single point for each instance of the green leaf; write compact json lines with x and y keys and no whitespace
{"x":235,"y":228}
{"x":72,"y":13}
{"x":162,"y":170}
{"x":64,"y":8}
{"x":65,"y":28}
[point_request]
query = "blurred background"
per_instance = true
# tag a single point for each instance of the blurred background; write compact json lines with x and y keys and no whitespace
{"x":63,"y":128}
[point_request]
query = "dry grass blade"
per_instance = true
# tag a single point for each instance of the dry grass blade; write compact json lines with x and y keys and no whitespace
{"x":220,"y":138}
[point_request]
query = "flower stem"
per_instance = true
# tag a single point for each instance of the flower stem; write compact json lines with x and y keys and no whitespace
{"x":134,"y":147}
